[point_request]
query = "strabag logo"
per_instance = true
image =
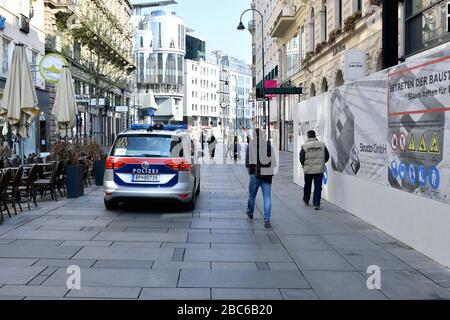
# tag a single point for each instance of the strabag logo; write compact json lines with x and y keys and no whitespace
{"x":375,"y":148}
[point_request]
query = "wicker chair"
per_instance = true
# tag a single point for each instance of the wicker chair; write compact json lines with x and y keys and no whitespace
{"x":50,"y":184}
{"x":4,"y":182}
{"x":12,"y":194}
{"x":26,"y":189}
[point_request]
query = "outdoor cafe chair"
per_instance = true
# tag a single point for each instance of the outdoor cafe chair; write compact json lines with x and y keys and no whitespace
{"x":15,"y":162}
{"x":50,"y":184}
{"x":12,"y":194}
{"x":26,"y":189}
{"x":4,"y":182}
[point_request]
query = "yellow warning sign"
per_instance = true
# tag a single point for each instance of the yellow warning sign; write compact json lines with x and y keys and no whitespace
{"x":412,"y":143}
{"x":434,"y":145}
{"x":422,"y":144}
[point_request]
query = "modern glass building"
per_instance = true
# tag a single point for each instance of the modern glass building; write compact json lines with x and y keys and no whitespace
{"x":161,"y":68}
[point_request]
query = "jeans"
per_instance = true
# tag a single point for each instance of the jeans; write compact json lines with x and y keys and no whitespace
{"x":253,"y":188}
{"x":309,"y":178}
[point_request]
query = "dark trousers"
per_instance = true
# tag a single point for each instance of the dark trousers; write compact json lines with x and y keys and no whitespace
{"x":309,"y":178}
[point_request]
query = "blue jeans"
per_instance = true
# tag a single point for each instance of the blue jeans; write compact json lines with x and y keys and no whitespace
{"x":309,"y":178}
{"x":253,"y":188}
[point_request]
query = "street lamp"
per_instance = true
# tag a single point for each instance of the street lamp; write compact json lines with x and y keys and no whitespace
{"x":241,"y":27}
{"x":237,"y":98}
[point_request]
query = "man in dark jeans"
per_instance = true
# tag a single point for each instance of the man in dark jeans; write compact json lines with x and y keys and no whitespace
{"x":313,"y":156}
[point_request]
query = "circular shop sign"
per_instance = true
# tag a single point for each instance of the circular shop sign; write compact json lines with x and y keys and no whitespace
{"x":51,"y":67}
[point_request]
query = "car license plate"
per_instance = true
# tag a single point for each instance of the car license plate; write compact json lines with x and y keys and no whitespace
{"x":146,"y":178}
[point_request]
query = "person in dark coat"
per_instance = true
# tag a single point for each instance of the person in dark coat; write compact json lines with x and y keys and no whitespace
{"x":236,"y":148}
{"x":202,"y":142}
{"x":212,"y":146}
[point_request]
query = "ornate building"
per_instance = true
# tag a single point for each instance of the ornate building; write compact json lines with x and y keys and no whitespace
{"x":95,"y":38}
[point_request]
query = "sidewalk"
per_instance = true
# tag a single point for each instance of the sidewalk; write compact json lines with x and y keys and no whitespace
{"x":214,"y":252}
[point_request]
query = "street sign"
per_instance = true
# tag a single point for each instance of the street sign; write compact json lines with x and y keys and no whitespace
{"x":278,"y":91}
{"x":121,"y":108}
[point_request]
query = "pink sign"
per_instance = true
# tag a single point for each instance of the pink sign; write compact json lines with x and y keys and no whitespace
{"x":270,"y":84}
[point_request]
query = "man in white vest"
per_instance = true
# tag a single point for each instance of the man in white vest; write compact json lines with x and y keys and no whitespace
{"x":313,"y":156}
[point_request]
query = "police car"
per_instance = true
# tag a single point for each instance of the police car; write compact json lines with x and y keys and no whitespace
{"x":152,"y":162}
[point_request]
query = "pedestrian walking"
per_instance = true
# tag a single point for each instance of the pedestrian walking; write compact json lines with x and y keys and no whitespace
{"x":236,"y":148}
{"x":260,"y":162}
{"x":212,"y":145}
{"x":202,"y":142}
{"x":313,"y":156}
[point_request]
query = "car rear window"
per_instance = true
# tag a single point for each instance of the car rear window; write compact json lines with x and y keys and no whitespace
{"x":154,"y":146}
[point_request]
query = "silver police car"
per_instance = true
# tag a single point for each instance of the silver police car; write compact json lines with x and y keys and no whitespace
{"x":152,"y":162}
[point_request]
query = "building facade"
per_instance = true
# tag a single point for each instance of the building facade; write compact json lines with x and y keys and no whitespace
{"x":160,"y":61}
{"x":95,"y":39}
{"x":22,"y":21}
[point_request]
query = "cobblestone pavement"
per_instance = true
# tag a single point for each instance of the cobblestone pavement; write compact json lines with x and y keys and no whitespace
{"x":155,"y":251}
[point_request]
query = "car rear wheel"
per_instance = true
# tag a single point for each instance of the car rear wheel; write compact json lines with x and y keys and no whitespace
{"x":198,"y":188}
{"x":111,"y":205}
{"x":191,"y":204}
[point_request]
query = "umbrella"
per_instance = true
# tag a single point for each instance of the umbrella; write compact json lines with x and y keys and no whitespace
{"x":19,"y":104}
{"x":65,"y":107}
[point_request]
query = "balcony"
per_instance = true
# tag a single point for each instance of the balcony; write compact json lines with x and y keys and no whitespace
{"x":284,"y":21}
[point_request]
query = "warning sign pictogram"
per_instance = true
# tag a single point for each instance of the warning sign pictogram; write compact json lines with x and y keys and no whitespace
{"x":434,"y":145}
{"x":412,"y":143}
{"x":402,"y":141}
{"x":422,"y":144}
{"x":394,"y":141}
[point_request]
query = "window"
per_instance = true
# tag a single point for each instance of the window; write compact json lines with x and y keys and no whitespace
{"x":141,"y":41}
{"x":292,"y":55}
{"x":303,"y":43}
{"x":337,"y":14}
{"x":425,"y":24}
{"x":5,"y":54}
{"x":312,"y":31}
{"x":323,"y":22}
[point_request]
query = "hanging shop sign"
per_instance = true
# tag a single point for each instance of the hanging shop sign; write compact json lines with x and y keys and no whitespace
{"x":51,"y":66}
{"x":121,"y":108}
{"x":2,"y":23}
{"x":82,"y":98}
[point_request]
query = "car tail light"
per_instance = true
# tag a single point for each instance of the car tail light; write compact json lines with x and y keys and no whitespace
{"x":180,"y":166}
{"x":114,"y":163}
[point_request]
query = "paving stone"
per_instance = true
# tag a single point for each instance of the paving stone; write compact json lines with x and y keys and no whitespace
{"x":320,"y":260}
{"x":225,"y":238}
{"x":20,"y":251}
{"x":175,"y":294}
{"x":96,"y":277}
{"x":38,"y":242}
{"x":125,"y":264}
{"x":238,"y":246}
{"x":150,"y":224}
{"x":133,"y":244}
{"x":234,"y":265}
{"x":142,"y":236}
{"x":175,"y":265}
{"x":64,"y":263}
{"x":341,"y":285}
{"x":237,"y":255}
{"x":17,"y":262}
{"x":87,"y":243}
{"x":49,"y":235}
{"x":18,"y":274}
{"x":304,"y":242}
{"x":118,"y":253}
{"x":298,"y":294}
{"x":48,"y":271}
{"x":185,"y":245}
{"x":361,"y":259}
{"x":440,"y":276}
{"x":226,"y":224}
{"x":408,"y":255}
{"x":282,"y":266}
{"x":246,"y":294}
{"x":37,"y":281}
{"x":146,"y":230}
{"x":241,"y":279}
{"x":185,"y":230}
{"x":410,"y":285}
{"x":105,"y":292}
{"x":59,"y":228}
{"x":233,"y":231}
{"x":348,"y":242}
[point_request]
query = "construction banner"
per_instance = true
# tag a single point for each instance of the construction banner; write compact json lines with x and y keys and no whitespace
{"x":418,"y":108}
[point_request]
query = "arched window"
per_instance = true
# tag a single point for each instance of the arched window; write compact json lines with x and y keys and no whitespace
{"x":338,"y":12}
{"x":312,"y":90}
{"x":312,"y":31}
{"x":323,"y":22}
{"x":324,"y":85}
{"x":339,"y":79}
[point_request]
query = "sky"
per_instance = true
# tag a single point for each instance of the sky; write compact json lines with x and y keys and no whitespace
{"x":215,"y":21}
